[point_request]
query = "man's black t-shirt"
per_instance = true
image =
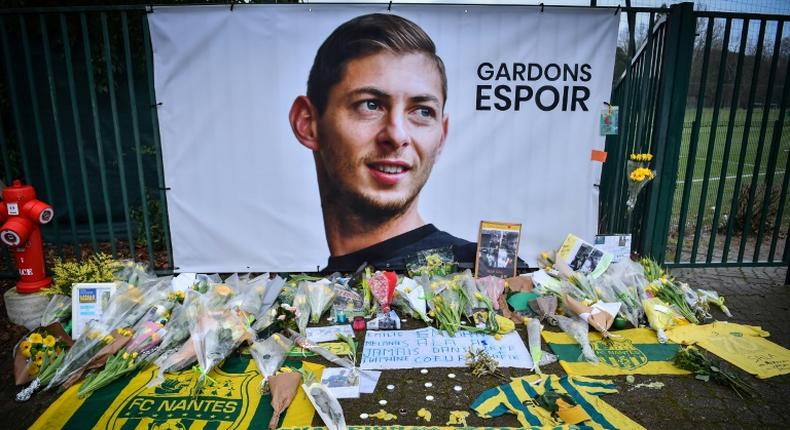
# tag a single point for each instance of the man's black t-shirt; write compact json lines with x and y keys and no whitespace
{"x":392,"y":252}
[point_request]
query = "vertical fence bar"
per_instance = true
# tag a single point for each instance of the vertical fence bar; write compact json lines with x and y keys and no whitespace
{"x":693,"y":142}
{"x":20,"y":138}
{"x":770,"y":170}
{"x":763,"y":125}
{"x":97,"y":130}
{"x":670,"y":112}
{"x":725,"y":163}
{"x":783,"y":194}
{"x":53,"y":97}
{"x":37,"y":121}
{"x":758,"y":55}
{"x":136,"y":135}
{"x":117,"y":131}
{"x":157,"y":144}
{"x":75,"y":114}
{"x":7,"y":176}
{"x":711,"y":141}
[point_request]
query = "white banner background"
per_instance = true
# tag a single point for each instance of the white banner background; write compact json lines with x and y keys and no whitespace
{"x":243,"y":192}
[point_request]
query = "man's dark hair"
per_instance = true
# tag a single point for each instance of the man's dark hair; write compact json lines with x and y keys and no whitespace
{"x":360,"y":37}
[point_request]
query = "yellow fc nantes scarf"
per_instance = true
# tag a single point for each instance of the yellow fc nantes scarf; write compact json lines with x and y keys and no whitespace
{"x":234,"y":401}
{"x":634,"y":352}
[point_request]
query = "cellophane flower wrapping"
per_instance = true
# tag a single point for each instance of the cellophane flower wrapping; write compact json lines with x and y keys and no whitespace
{"x":533,"y":337}
{"x":661,"y":317}
{"x":269,"y":355}
{"x":448,"y":306}
{"x":176,"y":333}
{"x":302,"y":308}
{"x":493,"y":287}
{"x":713,"y":297}
{"x":303,"y":342}
{"x":382,"y":286}
{"x":326,"y":405}
{"x":94,"y":338}
{"x":216,"y":331}
{"x":411,"y":297}
{"x":319,"y":296}
{"x":134,"y":273}
{"x":610,"y":288}
{"x":437,"y":262}
{"x":58,"y":309}
{"x":635,"y":186}
{"x":474,"y":302}
{"x":578,"y":330}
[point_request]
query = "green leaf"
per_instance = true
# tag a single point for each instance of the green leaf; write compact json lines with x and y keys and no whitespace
{"x":705,"y":378}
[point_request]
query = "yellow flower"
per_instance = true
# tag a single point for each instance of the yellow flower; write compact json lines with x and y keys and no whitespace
{"x":498,"y":336}
{"x":125,"y":356}
{"x":39,"y":358}
{"x":35,"y":338}
{"x":108,"y":338}
{"x":478,"y":296}
{"x":49,"y":341}
{"x":33,"y":369}
{"x":25,"y":346}
{"x":222,"y":290}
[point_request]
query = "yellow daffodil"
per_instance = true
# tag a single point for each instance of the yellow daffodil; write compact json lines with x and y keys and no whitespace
{"x":222,"y":290}
{"x":49,"y":341}
{"x":108,"y":338}
{"x":35,"y":338}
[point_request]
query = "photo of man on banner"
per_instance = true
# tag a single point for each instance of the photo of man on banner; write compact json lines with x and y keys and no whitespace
{"x":374,"y":118}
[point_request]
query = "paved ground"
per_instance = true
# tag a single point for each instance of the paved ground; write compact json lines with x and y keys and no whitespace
{"x":755,"y":296}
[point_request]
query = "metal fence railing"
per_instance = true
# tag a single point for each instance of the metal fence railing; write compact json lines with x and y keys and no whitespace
{"x":78,"y":121}
{"x":727,"y":195}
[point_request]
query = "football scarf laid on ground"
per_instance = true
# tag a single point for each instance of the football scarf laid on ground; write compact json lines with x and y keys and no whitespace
{"x":234,"y":401}
{"x":633,"y":352}
{"x":520,"y":398}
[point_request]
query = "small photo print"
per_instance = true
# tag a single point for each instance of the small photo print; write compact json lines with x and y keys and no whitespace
{"x":497,"y":249}
{"x":342,"y":382}
{"x":583,"y":257}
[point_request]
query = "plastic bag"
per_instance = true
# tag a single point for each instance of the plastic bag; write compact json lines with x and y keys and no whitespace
{"x":412,"y":298}
{"x":533,"y":336}
{"x":712,"y":297}
{"x":326,"y":405}
{"x":302,"y":308}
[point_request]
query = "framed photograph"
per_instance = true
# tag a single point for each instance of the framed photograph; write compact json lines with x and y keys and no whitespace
{"x":497,"y":249}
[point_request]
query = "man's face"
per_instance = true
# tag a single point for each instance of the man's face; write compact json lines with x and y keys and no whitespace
{"x":381,"y":132}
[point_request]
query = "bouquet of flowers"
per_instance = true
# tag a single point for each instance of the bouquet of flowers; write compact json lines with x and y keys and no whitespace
{"x":269,"y":355}
{"x":533,"y":336}
{"x":712,"y":297}
{"x":58,"y":309}
{"x":578,"y":329}
{"x":493,"y":287}
{"x":661,"y":316}
{"x":639,"y":175}
{"x":283,"y":386}
{"x":215,"y":333}
{"x":319,"y":295}
{"x":382,"y":286}
{"x":97,"y":335}
{"x":37,"y":357}
{"x":437,"y":262}
{"x":692,"y":359}
{"x":412,"y":296}
{"x":448,"y":307}
{"x":302,"y":308}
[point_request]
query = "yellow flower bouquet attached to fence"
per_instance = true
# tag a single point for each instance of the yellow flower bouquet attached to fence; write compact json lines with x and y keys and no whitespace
{"x":639,"y":174}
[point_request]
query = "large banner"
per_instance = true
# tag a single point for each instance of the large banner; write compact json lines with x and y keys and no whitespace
{"x":524,"y":94}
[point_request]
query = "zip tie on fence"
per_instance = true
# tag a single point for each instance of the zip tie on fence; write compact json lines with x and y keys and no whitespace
{"x":156,"y":104}
{"x":616,"y":11}
{"x":149,"y":8}
{"x":232,"y":3}
{"x":389,"y":7}
{"x":541,"y":8}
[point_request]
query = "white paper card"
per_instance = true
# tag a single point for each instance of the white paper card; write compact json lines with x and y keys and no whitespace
{"x":328,"y":333}
{"x":429,"y":347}
{"x":88,"y":302}
{"x":368,"y":380}
{"x":183,"y":282}
{"x":619,"y":245}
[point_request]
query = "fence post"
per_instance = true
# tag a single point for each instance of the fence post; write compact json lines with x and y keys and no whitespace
{"x":668,"y":126}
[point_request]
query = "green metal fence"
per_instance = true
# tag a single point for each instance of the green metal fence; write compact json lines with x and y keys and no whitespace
{"x":78,"y":121}
{"x":721,"y":142}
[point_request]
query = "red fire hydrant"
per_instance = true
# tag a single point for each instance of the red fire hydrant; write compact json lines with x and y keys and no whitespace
{"x":21,"y":215}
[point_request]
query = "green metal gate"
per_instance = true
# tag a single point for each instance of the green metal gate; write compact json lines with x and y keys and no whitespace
{"x":707,"y":95}
{"x":78,"y":121}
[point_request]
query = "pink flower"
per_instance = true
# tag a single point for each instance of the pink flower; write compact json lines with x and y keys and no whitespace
{"x":281,"y":318}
